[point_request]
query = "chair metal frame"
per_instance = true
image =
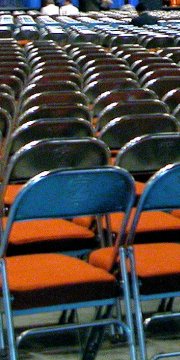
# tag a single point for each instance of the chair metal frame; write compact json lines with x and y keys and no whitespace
{"x":161,"y":192}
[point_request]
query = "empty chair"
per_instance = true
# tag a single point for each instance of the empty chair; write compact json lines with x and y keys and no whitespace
{"x":54,"y":62}
{"x":52,"y":77}
{"x":126,"y":74}
{"x":14,"y":82}
{"x":70,"y":281}
{"x":153,"y":267}
{"x":154,"y":66}
{"x":150,"y":60}
{"x":44,"y":155}
{"x":121,"y":130}
{"x":158,"y":41}
{"x":150,"y":75}
{"x":54,"y":111}
{"x":44,"y":129}
{"x":158,"y":150}
{"x":34,"y":88}
{"x":172,"y":98}
{"x":104,"y":61}
{"x":149,"y":106}
{"x":7,"y":103}
{"x":96,"y":69}
{"x":44,"y":69}
{"x":96,"y":88}
{"x":52,"y":98}
{"x":121,"y":96}
{"x":163,"y":84}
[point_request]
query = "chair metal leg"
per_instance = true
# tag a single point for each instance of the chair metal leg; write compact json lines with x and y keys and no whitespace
{"x":137,"y":305}
{"x":8,"y":313}
{"x":2,"y":343}
{"x":127,"y":301}
{"x":95,"y":337}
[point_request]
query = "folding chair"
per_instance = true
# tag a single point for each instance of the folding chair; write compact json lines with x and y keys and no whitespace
{"x":54,"y":111}
{"x":155,"y":268}
{"x":121,"y":130}
{"x":34,"y":285}
{"x":97,"y":68}
{"x":126,"y":74}
{"x":163,"y":84}
{"x":117,"y":109}
{"x":52,"y":98}
{"x":44,"y":155}
{"x":172,"y":98}
{"x":112,"y":96}
{"x":158,"y":74}
{"x":44,"y":129}
{"x":96,"y":88}
{"x":155,"y":66}
{"x":34,"y":88}
{"x":52,"y":77}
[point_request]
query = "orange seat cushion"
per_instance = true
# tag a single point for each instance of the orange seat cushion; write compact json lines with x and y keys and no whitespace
{"x":157,"y":265}
{"x":148,"y":222}
{"x":176,"y":213}
{"x":48,"y":235}
{"x":45,"y":279}
{"x":11,"y":192}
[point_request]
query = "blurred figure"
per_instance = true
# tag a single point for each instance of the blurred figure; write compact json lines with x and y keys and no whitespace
{"x":50,"y":8}
{"x":127,"y":6}
{"x":94,"y":5}
{"x":143,"y":18}
{"x":68,"y":8}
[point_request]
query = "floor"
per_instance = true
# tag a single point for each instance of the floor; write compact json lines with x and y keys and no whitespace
{"x":161,"y":337}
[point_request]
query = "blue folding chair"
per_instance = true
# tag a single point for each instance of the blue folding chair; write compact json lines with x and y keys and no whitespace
{"x":155,"y":268}
{"x":39,"y":283}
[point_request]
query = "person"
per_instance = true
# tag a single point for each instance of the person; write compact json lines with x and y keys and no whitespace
{"x":94,"y":5}
{"x":50,"y":8}
{"x":143,"y":18}
{"x":68,"y":8}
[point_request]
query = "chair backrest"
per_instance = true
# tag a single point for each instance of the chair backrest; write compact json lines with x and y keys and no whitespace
{"x":144,"y":155}
{"x":123,"y":129}
{"x":48,"y":129}
{"x":73,"y":193}
{"x":154,"y":74}
{"x":172,"y":98}
{"x":162,"y":192}
{"x":112,"y":96}
{"x":123,"y":74}
{"x":148,"y":106}
{"x":54,"y":111}
{"x":150,"y":60}
{"x":96,"y":88}
{"x":52,"y":98}
{"x":32,"y":89}
{"x":48,"y":154}
{"x":108,"y":67}
{"x":155,"y":66}
{"x":53,"y":77}
{"x":163,"y":84}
